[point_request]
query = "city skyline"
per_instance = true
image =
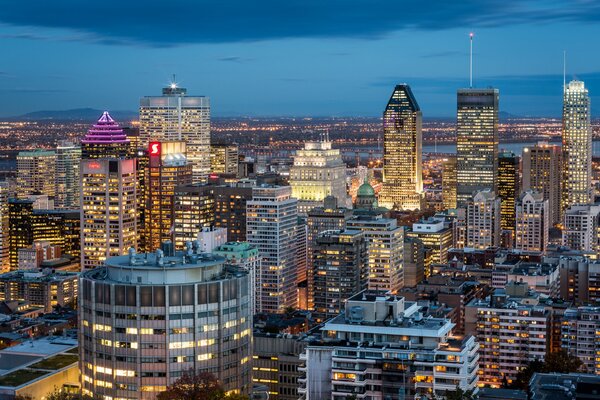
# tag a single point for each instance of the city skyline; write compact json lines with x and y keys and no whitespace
{"x":338,"y":68}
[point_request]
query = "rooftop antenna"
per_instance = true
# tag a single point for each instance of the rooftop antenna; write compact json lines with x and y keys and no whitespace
{"x":564,"y":71}
{"x":471,"y":60}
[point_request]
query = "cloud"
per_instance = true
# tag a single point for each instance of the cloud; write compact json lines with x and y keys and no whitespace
{"x":33,"y":91}
{"x":234,"y":59}
{"x":156,"y":23}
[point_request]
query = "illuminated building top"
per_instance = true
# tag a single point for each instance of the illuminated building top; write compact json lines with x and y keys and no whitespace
{"x":106,"y":130}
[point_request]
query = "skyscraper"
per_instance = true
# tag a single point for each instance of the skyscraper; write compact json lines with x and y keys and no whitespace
{"x":108,"y":209}
{"x":224,"y":159}
{"x":174,"y":116}
{"x":402,"y":151}
{"x":532,"y":222}
{"x":577,"y":145}
{"x":542,"y":166}
{"x":193,"y":210}
{"x":35,"y":173}
{"x":449,"y":183}
{"x":508,"y":189}
{"x":483,"y":220}
{"x":167,"y":170}
{"x":105,"y":139}
{"x":272,"y":216}
{"x":476,"y":142}
{"x":68,"y":157}
{"x":318,"y":171}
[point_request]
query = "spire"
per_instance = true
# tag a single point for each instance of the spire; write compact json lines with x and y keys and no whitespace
{"x":106,"y":119}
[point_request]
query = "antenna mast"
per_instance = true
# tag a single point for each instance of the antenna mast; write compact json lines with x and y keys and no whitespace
{"x":471,"y":60}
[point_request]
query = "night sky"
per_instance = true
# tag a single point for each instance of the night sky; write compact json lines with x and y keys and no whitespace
{"x":311,"y":57}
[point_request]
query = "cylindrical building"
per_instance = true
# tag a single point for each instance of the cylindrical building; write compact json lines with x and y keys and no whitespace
{"x":145,"y":320}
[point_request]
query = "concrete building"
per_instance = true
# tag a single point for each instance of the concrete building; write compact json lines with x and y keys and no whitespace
{"x":109,"y":220}
{"x":36,"y":171}
{"x":512,"y":330}
{"x":339,"y":271}
{"x":382,"y":347}
{"x":579,"y":279}
{"x":318,"y":172}
{"x":435,"y":235}
{"x":145,"y":320}
{"x":175,"y":116}
{"x":576,"y":145}
{"x":542,"y":166}
{"x":581,"y":224}
{"x":224,"y":159}
{"x":211,"y":238}
{"x":43,"y":289}
{"x":483,"y":220}
{"x":581,"y":336}
{"x":31,"y":258}
{"x":385,"y":248}
{"x":543,"y":278}
{"x":414,"y":261}
{"x":271,"y":227}
{"x":476,"y":142}
{"x":532,"y":217}
{"x":402,"y":151}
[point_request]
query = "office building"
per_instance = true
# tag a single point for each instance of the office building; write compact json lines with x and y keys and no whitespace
{"x":167,"y":170}
{"x":159,"y":317}
{"x":449,"y":183}
{"x":532,"y":222}
{"x":242,"y":255}
{"x":27,"y":225}
{"x":68,"y":157}
{"x":512,"y":330}
{"x":385,"y":248}
{"x":31,"y":258}
{"x":4,"y":229}
{"x":476,"y":142}
{"x":36,"y":173}
{"x":193,"y":210}
{"x":542,"y":166}
{"x":414,"y":261}
{"x":580,"y":336}
{"x":109,"y":220}
{"x":105,"y":139}
{"x":339,"y":271}
{"x":318,"y":172}
{"x":44,"y":289}
{"x":271,"y":220}
{"x":483,"y":220}
{"x":581,"y":224}
{"x":175,"y":116}
{"x":435,"y":235}
{"x":576,"y":145}
{"x":224,"y":159}
{"x":402,"y":152}
{"x":508,"y":190}
{"x":230,"y":209}
{"x":382,"y":346}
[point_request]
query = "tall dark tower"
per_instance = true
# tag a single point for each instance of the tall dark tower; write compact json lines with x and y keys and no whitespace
{"x":402,"y":151}
{"x":509,"y":189}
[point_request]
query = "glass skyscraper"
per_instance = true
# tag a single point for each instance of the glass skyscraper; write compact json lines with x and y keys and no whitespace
{"x":577,"y":145}
{"x":476,"y":142}
{"x":174,"y":116}
{"x":402,"y":151}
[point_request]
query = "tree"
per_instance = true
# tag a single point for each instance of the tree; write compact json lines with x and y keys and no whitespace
{"x":459,"y":394}
{"x":559,"y":361}
{"x":59,"y":394}
{"x":202,"y":386}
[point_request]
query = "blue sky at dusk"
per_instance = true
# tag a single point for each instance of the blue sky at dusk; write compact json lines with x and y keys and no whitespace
{"x":311,"y":57}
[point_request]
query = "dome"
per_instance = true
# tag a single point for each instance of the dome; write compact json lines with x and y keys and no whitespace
{"x":366,"y":190}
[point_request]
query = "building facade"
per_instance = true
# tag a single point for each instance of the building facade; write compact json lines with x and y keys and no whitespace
{"x":105,"y":139}
{"x":224,"y":159}
{"x":509,"y":189}
{"x":402,"y":151}
{"x":174,"y":116}
{"x":145,"y":320}
{"x":449,"y":183}
{"x":581,"y":223}
{"x":580,"y":330}
{"x":532,"y":222}
{"x":68,"y":157}
{"x":483,"y":220}
{"x":476,"y":142}
{"x":36,"y":173}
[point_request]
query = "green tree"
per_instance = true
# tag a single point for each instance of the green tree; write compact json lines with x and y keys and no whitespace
{"x":59,"y":394}
{"x":202,"y":386}
{"x":559,"y":361}
{"x":459,"y":394}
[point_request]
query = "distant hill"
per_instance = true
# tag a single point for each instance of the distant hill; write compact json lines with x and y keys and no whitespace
{"x":77,"y":114}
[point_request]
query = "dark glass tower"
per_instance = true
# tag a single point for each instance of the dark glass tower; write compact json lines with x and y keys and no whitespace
{"x":508,"y":189}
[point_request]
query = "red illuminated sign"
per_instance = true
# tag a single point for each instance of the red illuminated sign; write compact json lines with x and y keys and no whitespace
{"x":154,"y":148}
{"x":94,"y":165}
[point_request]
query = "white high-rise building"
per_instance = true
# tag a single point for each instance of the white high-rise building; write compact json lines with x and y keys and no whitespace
{"x":108,"y":209}
{"x":271,"y":220}
{"x":577,"y":145}
{"x":532,"y":222}
{"x":385,"y":251}
{"x":174,"y":116}
{"x":35,"y":173}
{"x":383,"y":348}
{"x":580,"y":331}
{"x":318,"y":172}
{"x":483,"y":220}
{"x":581,"y":224}
{"x":68,"y":157}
